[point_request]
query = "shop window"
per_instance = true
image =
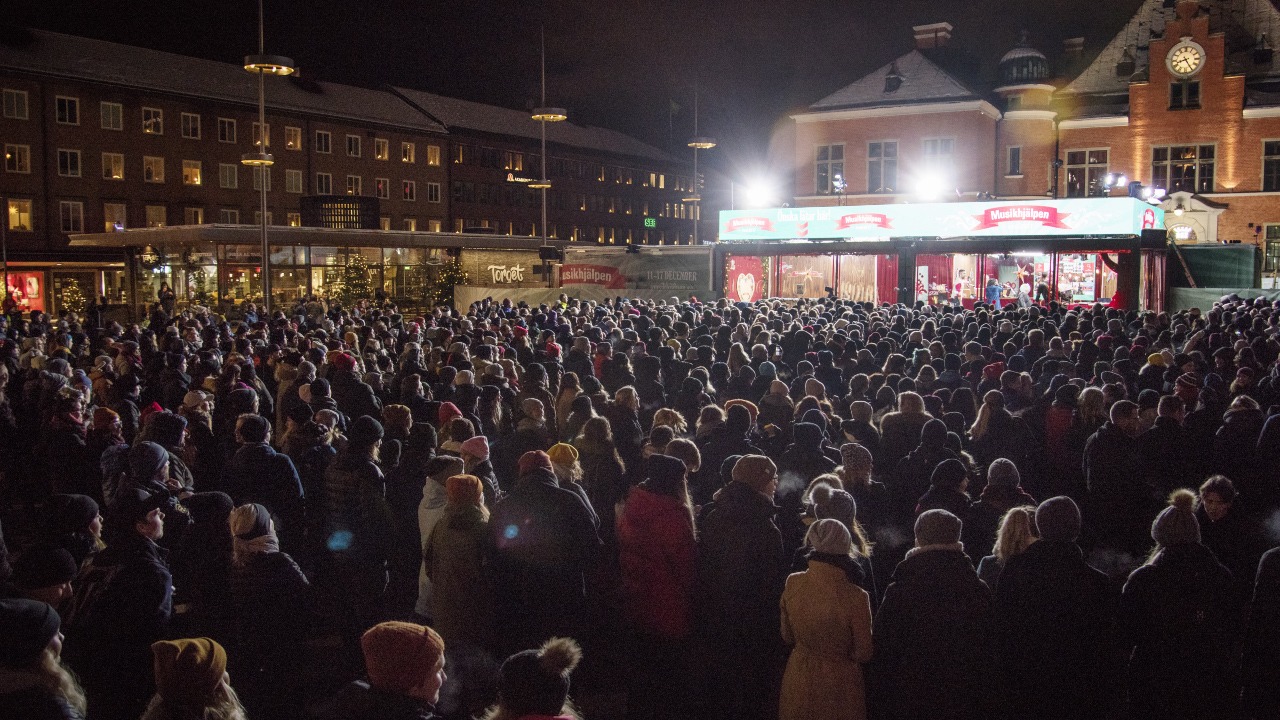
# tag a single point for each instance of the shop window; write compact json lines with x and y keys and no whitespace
{"x":1271,"y":166}
{"x":1188,"y":168}
{"x":67,"y":110}
{"x":114,"y":217}
{"x":15,"y":104}
{"x":1184,"y":95}
{"x":152,"y":121}
{"x":191,"y":126}
{"x":68,"y":163}
{"x":17,"y":158}
{"x":882,"y":167}
{"x":1086,"y":172}
{"x":71,"y":216}
{"x":112,"y":115}
{"x":20,"y":215}
{"x":1271,"y":258}
{"x":828,"y":164}
{"x":1013,"y":161}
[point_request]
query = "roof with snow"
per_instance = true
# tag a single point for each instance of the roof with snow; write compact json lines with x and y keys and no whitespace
{"x":922,"y":81}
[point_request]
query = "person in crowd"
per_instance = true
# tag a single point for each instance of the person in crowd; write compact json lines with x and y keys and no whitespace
{"x":1002,"y":492}
{"x":257,"y":474}
{"x":826,"y":617}
{"x":269,"y":592}
{"x":947,"y":490}
{"x":535,"y":684}
{"x":1179,"y":616}
{"x":932,"y":634}
{"x":658,"y":556}
{"x":34,"y":682}
{"x":438,"y":470}
{"x":1237,"y":541}
{"x":1115,"y":480}
{"x":44,"y":573}
{"x":1016,"y":533}
{"x":191,"y":681}
{"x":404,"y":672}
{"x":75,"y":524}
{"x":1261,"y":662}
{"x":201,"y":567}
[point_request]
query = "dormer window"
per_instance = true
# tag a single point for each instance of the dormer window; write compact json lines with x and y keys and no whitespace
{"x":893,"y":80}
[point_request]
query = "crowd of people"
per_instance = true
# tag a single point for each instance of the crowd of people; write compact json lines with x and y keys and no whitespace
{"x":812,"y":509}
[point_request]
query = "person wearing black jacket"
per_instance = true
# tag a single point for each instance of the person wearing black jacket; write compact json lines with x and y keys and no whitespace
{"x":404,"y":664}
{"x":1052,"y":616}
{"x":932,"y":634}
{"x":257,"y":473}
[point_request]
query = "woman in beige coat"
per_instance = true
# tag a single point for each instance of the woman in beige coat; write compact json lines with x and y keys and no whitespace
{"x":827,"y":619}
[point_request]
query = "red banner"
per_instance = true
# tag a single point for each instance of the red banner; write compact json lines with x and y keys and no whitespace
{"x":610,"y":277}
{"x":749,"y":223}
{"x":873,"y":219}
{"x":744,"y":279}
{"x":1043,"y":214}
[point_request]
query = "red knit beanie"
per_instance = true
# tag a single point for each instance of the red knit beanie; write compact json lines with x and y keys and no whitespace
{"x":534,"y":459}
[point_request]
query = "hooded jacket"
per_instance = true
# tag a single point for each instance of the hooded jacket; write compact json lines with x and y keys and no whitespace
{"x":658,"y":556}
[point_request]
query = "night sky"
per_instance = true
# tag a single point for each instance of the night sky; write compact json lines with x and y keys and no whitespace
{"x":614,"y":64}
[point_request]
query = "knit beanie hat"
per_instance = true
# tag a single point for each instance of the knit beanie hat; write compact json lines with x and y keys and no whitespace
{"x":133,"y":506}
{"x":43,"y":566}
{"x":441,"y":467}
{"x":563,"y":454}
{"x":1058,"y":518}
{"x":188,"y":671}
{"x":1177,"y":524}
{"x":71,"y":513}
{"x":146,"y":459}
{"x":397,"y":414}
{"x":104,"y":417}
{"x":366,"y":430}
{"x":398,"y":655}
{"x":777,"y":387}
{"x":755,"y":471}
{"x":447,"y":412}
{"x":664,"y":473}
{"x":477,"y":447}
{"x":948,"y":474}
{"x":1004,"y":473}
{"x":320,"y":388}
{"x":536,"y":682}
{"x":535,"y":459}
{"x":752,"y":410}
{"x":828,"y":502}
{"x":252,"y":530}
{"x":464,"y":490}
{"x":937,"y":527}
{"x":27,"y":627}
{"x":830,"y":537}
{"x":856,"y":459}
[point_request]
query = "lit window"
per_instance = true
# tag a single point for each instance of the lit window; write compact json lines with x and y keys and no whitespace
{"x":354,"y":184}
{"x":112,"y":115}
{"x":1183,"y":168}
{"x":293,"y":181}
{"x":15,"y":104}
{"x":295,"y":219}
{"x":381,"y":149}
{"x":324,"y":141}
{"x":411,"y":224}
{"x":17,"y":158}
{"x":153,"y":169}
{"x":71,"y":215}
{"x":228,"y":176}
{"x":68,"y":163}
{"x":20,"y":215}
{"x":384,"y":223}
{"x":257,"y":135}
{"x":292,"y":138}
{"x":407,"y":152}
{"x":114,"y":217}
{"x":112,"y":166}
{"x":193,"y":216}
{"x":435,"y":225}
{"x":67,"y":110}
{"x":191,"y":126}
{"x":382,"y":188}
{"x":433,"y":155}
{"x":353,"y":146}
{"x":1271,"y":167}
{"x":157,"y":216}
{"x":190,"y":172}
{"x":1087,"y":170}
{"x":410,"y":190}
{"x":152,"y":121}
{"x":226,"y":130}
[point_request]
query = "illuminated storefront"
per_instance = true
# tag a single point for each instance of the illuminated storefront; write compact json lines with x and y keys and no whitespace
{"x":1074,"y":251}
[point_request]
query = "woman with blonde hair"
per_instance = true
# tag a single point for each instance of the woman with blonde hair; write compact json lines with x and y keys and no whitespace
{"x":33,"y":681}
{"x":672,"y":419}
{"x":1017,"y":532}
{"x":1091,"y":411}
{"x":570,"y":388}
{"x":710,"y":418}
{"x":686,"y":452}
{"x":192,"y":682}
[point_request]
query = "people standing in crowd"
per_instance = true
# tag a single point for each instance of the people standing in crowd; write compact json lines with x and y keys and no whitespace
{"x":191,"y":681}
{"x":34,"y":682}
{"x":404,"y":671}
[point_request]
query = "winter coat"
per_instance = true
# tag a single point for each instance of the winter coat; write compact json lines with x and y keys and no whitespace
{"x":545,"y":546}
{"x":257,"y":473}
{"x":1179,"y":616}
{"x":354,"y":397}
{"x":938,"y":498}
{"x":29,"y":702}
{"x":270,"y":596}
{"x":658,"y":556}
{"x":356,"y":504}
{"x":1235,"y":454}
{"x":983,"y":519}
{"x":742,"y":568}
{"x":1117,"y":493}
{"x":899,"y":435}
{"x":1164,"y":453}
{"x":627,"y":433}
{"x":603,"y":478}
{"x":1006,"y":437}
{"x":1262,"y":649}
{"x":457,"y":558}
{"x":828,"y":620}
{"x":932,"y":640}
{"x":721,"y":444}
{"x":430,"y":510}
{"x":1052,"y":616}
{"x":358,"y":701}
{"x":912,"y":475}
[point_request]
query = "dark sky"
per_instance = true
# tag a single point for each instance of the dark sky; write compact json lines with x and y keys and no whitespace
{"x":614,"y":64}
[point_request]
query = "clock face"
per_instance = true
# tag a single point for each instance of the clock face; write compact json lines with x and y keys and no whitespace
{"x":1185,"y":60}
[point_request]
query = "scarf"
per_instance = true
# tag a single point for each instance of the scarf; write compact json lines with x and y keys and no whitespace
{"x":253,"y":531}
{"x":956,"y":546}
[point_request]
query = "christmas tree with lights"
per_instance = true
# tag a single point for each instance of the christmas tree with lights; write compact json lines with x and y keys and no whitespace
{"x":356,"y":284}
{"x":73,"y":299}
{"x":440,"y":290}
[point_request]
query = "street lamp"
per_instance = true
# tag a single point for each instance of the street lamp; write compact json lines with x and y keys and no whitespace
{"x":263,"y":65}
{"x":543,"y":115}
{"x":699,"y":142}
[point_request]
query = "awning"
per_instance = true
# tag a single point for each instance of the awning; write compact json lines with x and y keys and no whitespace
{"x":210,"y":235}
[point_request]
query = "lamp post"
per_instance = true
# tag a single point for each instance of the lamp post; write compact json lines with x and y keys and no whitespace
{"x":263,"y":65}
{"x":699,"y":142}
{"x":544,"y":114}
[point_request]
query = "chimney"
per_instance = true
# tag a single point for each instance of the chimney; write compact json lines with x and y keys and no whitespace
{"x":1073,"y":47}
{"x":932,"y":36}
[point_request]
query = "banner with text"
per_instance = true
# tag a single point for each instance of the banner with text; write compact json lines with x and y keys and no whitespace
{"x":678,"y":273}
{"x":502,"y":268}
{"x":1031,"y":218}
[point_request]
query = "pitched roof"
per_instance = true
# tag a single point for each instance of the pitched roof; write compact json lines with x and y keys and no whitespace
{"x":478,"y":117}
{"x":1242,"y":22}
{"x":67,"y":56}
{"x":923,"y":81}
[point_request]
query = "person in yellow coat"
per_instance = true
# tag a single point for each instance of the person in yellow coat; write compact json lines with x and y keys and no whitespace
{"x":827,"y":618}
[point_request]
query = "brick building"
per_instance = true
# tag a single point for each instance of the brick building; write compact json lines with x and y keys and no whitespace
{"x":100,"y":136}
{"x":1186,"y":97}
